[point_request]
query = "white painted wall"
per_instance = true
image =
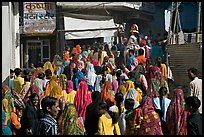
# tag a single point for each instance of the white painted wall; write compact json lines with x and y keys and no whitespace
{"x":9,"y":29}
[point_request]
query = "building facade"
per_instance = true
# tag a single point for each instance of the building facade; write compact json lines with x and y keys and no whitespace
{"x":10,"y":39}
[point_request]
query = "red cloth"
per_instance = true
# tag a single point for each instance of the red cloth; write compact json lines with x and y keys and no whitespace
{"x":82,"y":99}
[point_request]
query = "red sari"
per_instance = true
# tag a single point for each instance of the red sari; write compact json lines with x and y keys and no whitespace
{"x":82,"y":99}
{"x":176,"y":117}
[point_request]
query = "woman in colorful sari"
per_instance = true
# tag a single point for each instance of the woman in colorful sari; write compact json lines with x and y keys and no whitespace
{"x":176,"y":116}
{"x":33,"y":89}
{"x":57,"y":63}
{"x":39,"y":82}
{"x":107,"y":94}
{"x":35,"y":75}
{"x":150,"y":124}
{"x":62,"y":83}
{"x":70,"y":123}
{"x":48,"y":65}
{"x":140,"y":76}
{"x":79,"y":75}
{"x":133,"y":120}
{"x":7,"y":94}
{"x":52,"y":83}
{"x":156,"y":81}
{"x":6,"y":114}
{"x":71,"y":93}
{"x":82,"y":98}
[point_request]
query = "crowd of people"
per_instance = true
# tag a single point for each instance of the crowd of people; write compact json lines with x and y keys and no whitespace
{"x":85,"y":92}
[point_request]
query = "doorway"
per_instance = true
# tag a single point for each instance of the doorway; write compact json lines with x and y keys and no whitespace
{"x":37,"y":52}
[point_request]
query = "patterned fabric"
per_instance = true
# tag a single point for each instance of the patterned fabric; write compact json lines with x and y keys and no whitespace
{"x":46,"y":126}
{"x":6,"y":94}
{"x":39,"y":84}
{"x":151,"y":124}
{"x":133,"y":121}
{"x":35,"y":75}
{"x":62,"y":81}
{"x":82,"y":99}
{"x":69,"y":124}
{"x":156,"y":81}
{"x":176,"y":118}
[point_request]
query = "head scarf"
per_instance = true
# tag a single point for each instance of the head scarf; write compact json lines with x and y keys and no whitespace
{"x":176,"y":115}
{"x":48,"y":65}
{"x":62,"y":81}
{"x":5,"y":109}
{"x":151,"y":124}
{"x":82,"y":99}
{"x":78,"y":48}
{"x":69,"y":86}
{"x":57,"y":61}
{"x":91,"y":76}
{"x":107,"y":93}
{"x":128,"y":85}
{"x":35,"y":75}
{"x":38,"y":83}
{"x":85,"y":54}
{"x":94,"y":62}
{"x":132,"y":93}
{"x":72,"y":125}
{"x":56,"y":92}
{"x":156,"y":81}
{"x":122,"y":89}
{"x":74,"y":50}
{"x":79,"y":75}
{"x":5,"y":88}
{"x":8,"y":95}
{"x":52,"y":83}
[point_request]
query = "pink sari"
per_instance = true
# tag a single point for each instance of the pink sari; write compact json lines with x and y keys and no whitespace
{"x":82,"y":99}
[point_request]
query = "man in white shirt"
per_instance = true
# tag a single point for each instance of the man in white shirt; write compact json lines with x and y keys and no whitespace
{"x":195,"y":85}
